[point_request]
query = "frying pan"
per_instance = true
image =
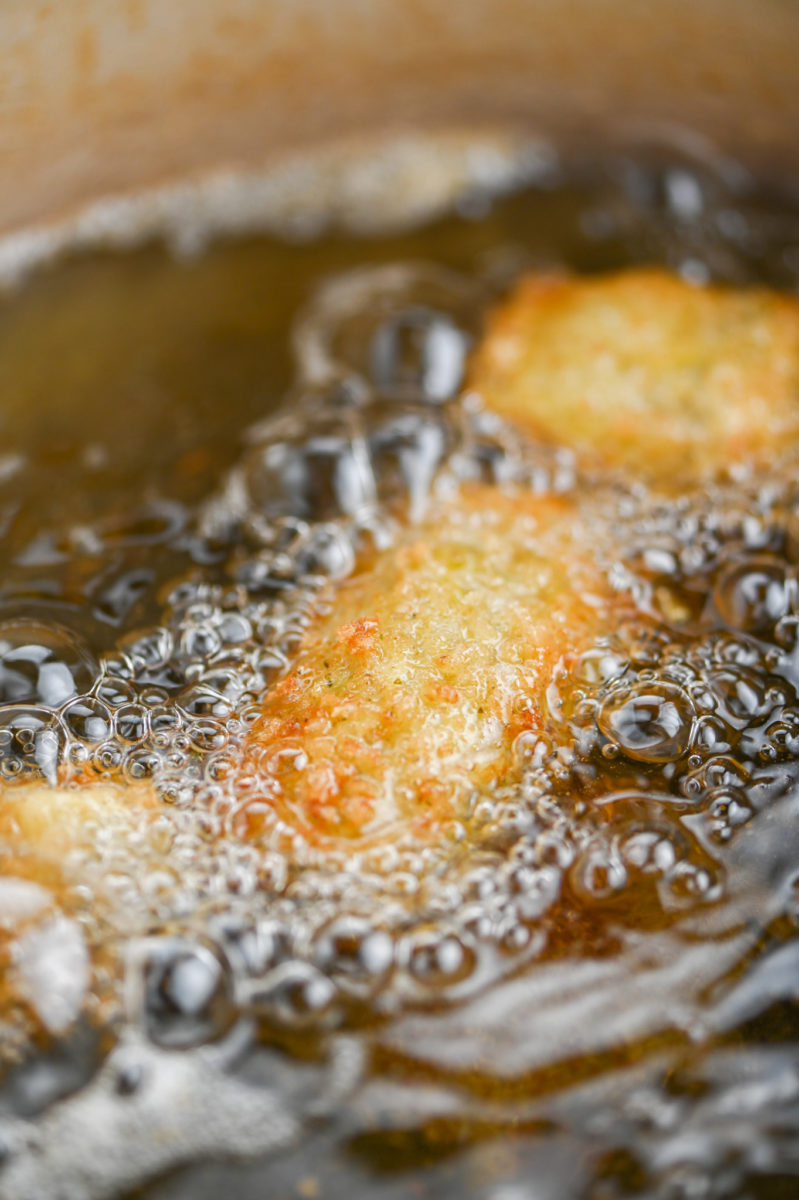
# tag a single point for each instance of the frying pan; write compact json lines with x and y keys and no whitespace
{"x":134,"y":100}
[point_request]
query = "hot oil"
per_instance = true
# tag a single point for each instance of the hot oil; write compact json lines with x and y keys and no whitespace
{"x":586,"y":979}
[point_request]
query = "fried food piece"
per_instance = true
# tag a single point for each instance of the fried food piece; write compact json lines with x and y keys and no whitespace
{"x":409,"y":695}
{"x":640,"y":370}
{"x":49,"y":821}
{"x":53,"y":838}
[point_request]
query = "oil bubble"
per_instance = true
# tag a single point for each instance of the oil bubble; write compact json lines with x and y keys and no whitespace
{"x":149,"y":650}
{"x":598,"y":874}
{"x":326,"y":551}
{"x":88,"y":720}
{"x":419,"y":353}
{"x":355,"y":955}
{"x":753,"y":595}
{"x":113,"y":691}
{"x":131,"y":723}
{"x":407,"y":448}
{"x":42,"y":664}
{"x":745,"y":695}
{"x":438,"y":959}
{"x":182,"y":992}
{"x":295,"y":994}
{"x":400,"y":324}
{"x":32,"y":741}
{"x":651,"y":723}
{"x":317,"y":475}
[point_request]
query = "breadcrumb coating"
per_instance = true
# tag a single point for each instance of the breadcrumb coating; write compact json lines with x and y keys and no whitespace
{"x":409,"y":695}
{"x":668,"y":381}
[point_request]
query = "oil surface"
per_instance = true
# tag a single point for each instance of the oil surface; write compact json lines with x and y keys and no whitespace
{"x":588,"y":988}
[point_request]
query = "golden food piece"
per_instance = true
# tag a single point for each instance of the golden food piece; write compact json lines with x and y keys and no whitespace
{"x":641,"y":370}
{"x":53,"y":844}
{"x":50,"y":821}
{"x":409,"y":695}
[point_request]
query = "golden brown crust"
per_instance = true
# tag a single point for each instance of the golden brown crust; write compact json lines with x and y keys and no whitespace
{"x":672,"y":382}
{"x":435,"y":657}
{"x":50,"y":820}
{"x":51,"y":841}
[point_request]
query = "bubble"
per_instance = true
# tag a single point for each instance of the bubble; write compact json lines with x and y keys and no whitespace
{"x":689,"y":883}
{"x":440,"y":960}
{"x":419,"y":353}
{"x":87,"y":720}
{"x":648,"y":850}
{"x":295,"y":995}
{"x":108,"y":757}
{"x":255,"y":947}
{"x":784,"y":733}
{"x":651,"y":723}
{"x":165,"y":720}
{"x":598,"y":874}
{"x":728,"y":808}
{"x":113,"y":691}
{"x":198,"y":641}
{"x":326,"y":551}
{"x":207,"y":736}
{"x":182,"y":992}
{"x":401,"y":324}
{"x":156,"y":522}
{"x":147,"y":651}
{"x":142,"y":764}
{"x":355,"y":955}
{"x":752,"y":595}
{"x":117,"y":598}
{"x":316,"y":470}
{"x":711,"y":736}
{"x":42,"y":664}
{"x":131,"y":723}
{"x":537,"y":888}
{"x":601,"y":665}
{"x":745,"y":695}
{"x":203,"y":701}
{"x":407,"y":448}
{"x":234,"y":628}
{"x":32,"y":742}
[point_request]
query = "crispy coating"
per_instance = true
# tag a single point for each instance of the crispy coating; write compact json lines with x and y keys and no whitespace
{"x":672,"y":382}
{"x":52,"y":841}
{"x":410,"y":693}
{"x":51,"y":820}
{"x":52,"y":834}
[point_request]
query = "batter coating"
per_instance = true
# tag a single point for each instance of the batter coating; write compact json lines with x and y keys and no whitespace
{"x":670,"y":382}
